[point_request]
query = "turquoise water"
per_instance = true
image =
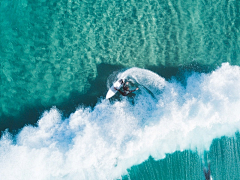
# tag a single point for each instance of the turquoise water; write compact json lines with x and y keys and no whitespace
{"x":223,"y":155}
{"x":61,"y":56}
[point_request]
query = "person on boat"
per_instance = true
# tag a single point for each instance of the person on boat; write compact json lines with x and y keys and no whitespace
{"x":207,"y":172}
{"x":126,"y":89}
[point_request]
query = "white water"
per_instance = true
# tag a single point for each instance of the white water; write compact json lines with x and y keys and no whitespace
{"x":102,"y":143}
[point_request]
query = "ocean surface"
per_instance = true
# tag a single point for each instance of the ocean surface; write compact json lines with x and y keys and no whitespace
{"x":59,"y":57}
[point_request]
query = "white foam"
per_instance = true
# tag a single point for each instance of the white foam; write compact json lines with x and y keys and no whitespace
{"x":102,"y":143}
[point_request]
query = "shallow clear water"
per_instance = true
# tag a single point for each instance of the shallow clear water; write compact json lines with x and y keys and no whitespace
{"x":50,"y":49}
{"x":66,"y":53}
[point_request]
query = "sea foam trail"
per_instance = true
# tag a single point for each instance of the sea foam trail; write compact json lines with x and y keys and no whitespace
{"x":101,"y":143}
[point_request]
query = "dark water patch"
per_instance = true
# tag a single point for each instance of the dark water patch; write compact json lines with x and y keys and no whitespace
{"x":98,"y":89}
{"x":181,"y":72}
{"x":30,"y":114}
